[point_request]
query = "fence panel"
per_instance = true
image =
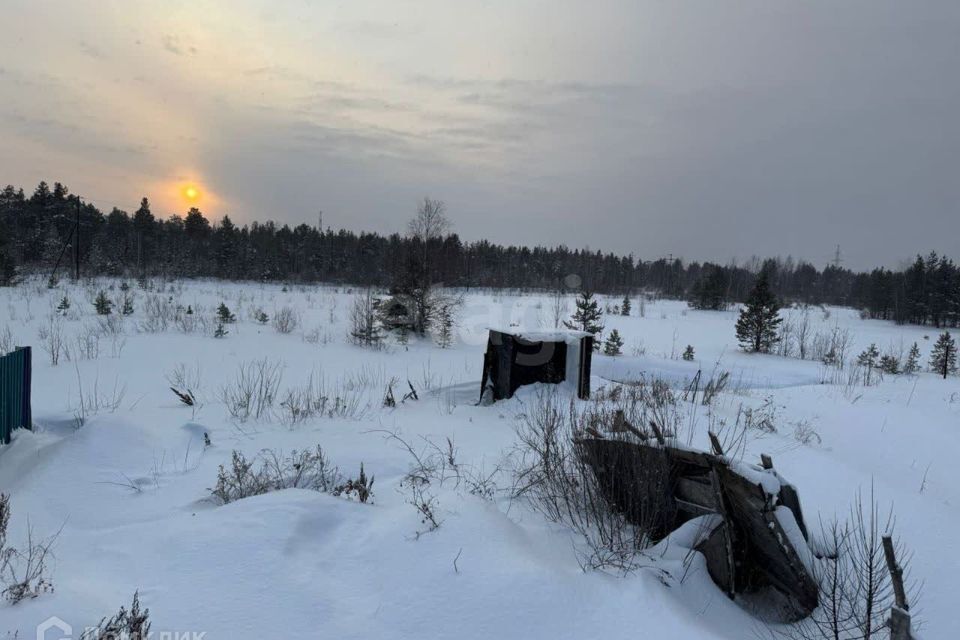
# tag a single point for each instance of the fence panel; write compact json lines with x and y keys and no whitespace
{"x":15,"y":374}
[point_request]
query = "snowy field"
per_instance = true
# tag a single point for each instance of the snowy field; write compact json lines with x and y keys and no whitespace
{"x":129,"y":490}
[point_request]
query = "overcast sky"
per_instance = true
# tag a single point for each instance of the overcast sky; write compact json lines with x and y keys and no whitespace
{"x":703,"y":129}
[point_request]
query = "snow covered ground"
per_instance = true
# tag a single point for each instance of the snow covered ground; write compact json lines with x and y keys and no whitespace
{"x":128,"y":491}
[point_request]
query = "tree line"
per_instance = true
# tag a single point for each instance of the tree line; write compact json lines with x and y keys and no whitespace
{"x":36,"y":228}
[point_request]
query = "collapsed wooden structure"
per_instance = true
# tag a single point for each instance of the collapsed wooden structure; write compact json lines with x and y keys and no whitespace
{"x":515,"y":358}
{"x":756,"y":538}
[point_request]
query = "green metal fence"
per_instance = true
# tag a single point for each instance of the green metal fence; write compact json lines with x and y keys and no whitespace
{"x":15,"y":372}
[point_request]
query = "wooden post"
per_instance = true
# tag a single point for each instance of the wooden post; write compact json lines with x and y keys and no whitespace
{"x":766,"y":461}
{"x":657,"y":432}
{"x":900,"y":621}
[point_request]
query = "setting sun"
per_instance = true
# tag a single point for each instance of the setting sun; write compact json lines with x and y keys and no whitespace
{"x":191,"y":193}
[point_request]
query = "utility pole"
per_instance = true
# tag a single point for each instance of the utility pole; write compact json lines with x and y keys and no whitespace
{"x":76,"y":245}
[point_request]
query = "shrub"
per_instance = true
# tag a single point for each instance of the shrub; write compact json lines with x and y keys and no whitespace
{"x":272,"y":471}
{"x":285,"y":320}
{"x":125,"y":625}
{"x":23,"y":572}
{"x":253,"y":391}
{"x":359,"y":489}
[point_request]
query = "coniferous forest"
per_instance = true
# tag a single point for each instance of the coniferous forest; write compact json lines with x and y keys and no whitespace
{"x":36,"y":228}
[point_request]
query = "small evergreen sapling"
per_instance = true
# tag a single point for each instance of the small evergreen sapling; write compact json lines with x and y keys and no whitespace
{"x":64,"y":305}
{"x":103,"y":304}
{"x":890,"y":364}
{"x":444,"y":326}
{"x":220,"y":331}
{"x":127,"y":308}
{"x":587,"y":316}
{"x":625,"y":306}
{"x":224,"y":315}
{"x":943,"y":358}
{"x":912,"y":365}
{"x":868,"y":359}
{"x":688,"y":354}
{"x":614,"y":344}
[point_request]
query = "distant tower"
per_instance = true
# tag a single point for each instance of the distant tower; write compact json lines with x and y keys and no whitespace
{"x":837,"y":259}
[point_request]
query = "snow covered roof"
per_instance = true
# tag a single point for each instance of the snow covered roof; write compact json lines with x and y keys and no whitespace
{"x":539,"y":335}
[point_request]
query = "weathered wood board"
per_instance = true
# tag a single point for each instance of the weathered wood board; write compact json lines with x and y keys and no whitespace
{"x":660,"y":487}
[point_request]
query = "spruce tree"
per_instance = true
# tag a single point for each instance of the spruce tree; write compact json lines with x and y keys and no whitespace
{"x":943,"y":359}
{"x":64,"y":305}
{"x":912,"y":365}
{"x":625,"y":307}
{"x":127,"y":308}
{"x":688,"y":354}
{"x":219,"y":331}
{"x":758,"y":327}
{"x":587,"y":316}
{"x":614,"y":344}
{"x":103,"y":304}
{"x":225,"y":315}
{"x":444,"y":326}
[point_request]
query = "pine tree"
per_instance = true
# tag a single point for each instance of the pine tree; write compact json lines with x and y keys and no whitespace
{"x":103,"y":304}
{"x":261,"y":317}
{"x":710,"y":291}
{"x":614,"y":344}
{"x":64,"y":305}
{"x":224,"y":314}
{"x":220,"y":331}
{"x":943,"y":359}
{"x":912,"y":365}
{"x":127,"y":308}
{"x":868,"y":357}
{"x":625,"y":307}
{"x":759,"y":321}
{"x":587,"y":316}
{"x":8,"y":269}
{"x":688,"y":353}
{"x":889,"y":364}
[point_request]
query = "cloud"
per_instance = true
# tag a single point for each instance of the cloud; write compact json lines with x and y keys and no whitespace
{"x":176,"y":45}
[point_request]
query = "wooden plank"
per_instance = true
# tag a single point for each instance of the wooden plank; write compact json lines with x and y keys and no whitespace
{"x":696,"y":491}
{"x":730,"y":586}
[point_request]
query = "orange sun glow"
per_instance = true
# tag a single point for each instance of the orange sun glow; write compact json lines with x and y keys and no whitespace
{"x":191,"y":193}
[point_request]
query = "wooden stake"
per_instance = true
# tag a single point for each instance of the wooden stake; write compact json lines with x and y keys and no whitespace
{"x":900,"y":621}
{"x":715,"y":443}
